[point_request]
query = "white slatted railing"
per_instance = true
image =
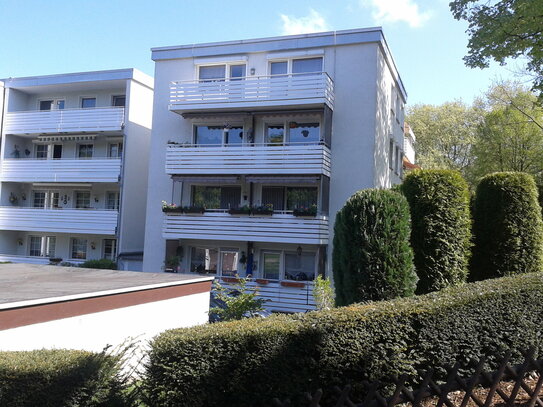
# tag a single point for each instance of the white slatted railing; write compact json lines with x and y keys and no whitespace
{"x":76,"y":221}
{"x":64,"y":170}
{"x":65,"y":120}
{"x":292,"y":159}
{"x":253,"y":91}
{"x":279,"y":228}
{"x":281,"y":298}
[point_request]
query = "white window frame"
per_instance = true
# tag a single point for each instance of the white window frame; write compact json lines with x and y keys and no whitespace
{"x":282,"y":263}
{"x":219,"y":124}
{"x":227,"y":66}
{"x":78,"y":145}
{"x":55,"y":101}
{"x":289,"y":61}
{"x":286,"y":125}
{"x":75,"y":198}
{"x":117,"y":200}
{"x":114,"y":253}
{"x":120,"y":147}
{"x":72,"y":241}
{"x":30,"y":238}
{"x":220,"y":251}
{"x":113,"y":97}
{"x":88,"y":97}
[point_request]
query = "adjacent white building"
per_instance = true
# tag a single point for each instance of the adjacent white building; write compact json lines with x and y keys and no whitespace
{"x":271,"y":136}
{"x":73,"y":167}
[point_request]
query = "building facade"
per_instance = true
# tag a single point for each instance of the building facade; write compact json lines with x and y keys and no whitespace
{"x":256,"y":144}
{"x":73,"y":167}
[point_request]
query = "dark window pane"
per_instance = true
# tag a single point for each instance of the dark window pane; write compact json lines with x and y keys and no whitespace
{"x":272,"y":262}
{"x":119,"y":100}
{"x":307,"y":65}
{"x":273,"y":196}
{"x":230,"y":197}
{"x":301,"y":197}
{"x":229,"y":263}
{"x":60,"y":104}
{"x":211,"y":73}
{"x":278,"y":68}
{"x":209,"y":135}
{"x":203,"y":260}
{"x":300,"y":267}
{"x":275,"y":134}
{"x":237,"y":72}
{"x":234,"y":135}
{"x":88,"y":103}
{"x":304,"y":132}
{"x":46,"y":104}
{"x":208,"y":197}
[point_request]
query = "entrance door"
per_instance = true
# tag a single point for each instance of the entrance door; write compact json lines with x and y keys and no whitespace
{"x":57,"y":151}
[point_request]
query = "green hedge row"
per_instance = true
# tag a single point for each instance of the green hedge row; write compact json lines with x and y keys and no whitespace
{"x":248,"y":362}
{"x":60,"y":378}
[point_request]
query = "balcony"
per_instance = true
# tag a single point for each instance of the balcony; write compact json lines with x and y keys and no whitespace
{"x":253,"y":92}
{"x":65,"y":121}
{"x":292,"y":159}
{"x":219,"y":225}
{"x":75,"y":221}
{"x":61,"y":170}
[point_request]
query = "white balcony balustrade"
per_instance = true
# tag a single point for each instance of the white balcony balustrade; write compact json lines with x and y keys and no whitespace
{"x":279,"y":228}
{"x":294,"y":159}
{"x":65,"y":121}
{"x":302,"y":90}
{"x":61,"y":170}
{"x":74,"y":221}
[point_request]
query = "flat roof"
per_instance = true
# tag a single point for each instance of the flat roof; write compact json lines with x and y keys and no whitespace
{"x":32,"y":284}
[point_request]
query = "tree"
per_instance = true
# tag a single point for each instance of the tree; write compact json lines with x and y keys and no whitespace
{"x":444,"y":134}
{"x":503,"y":29}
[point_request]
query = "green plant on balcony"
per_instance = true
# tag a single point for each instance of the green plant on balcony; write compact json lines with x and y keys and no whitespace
{"x":194,"y":209}
{"x":242,"y":210}
{"x":305,"y":211}
{"x":171,"y":264}
{"x":171,"y":207}
{"x":262,"y":210}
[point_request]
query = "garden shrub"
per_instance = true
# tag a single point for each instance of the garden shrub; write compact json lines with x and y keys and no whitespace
{"x":372,"y":259}
{"x":100,"y":264}
{"x":249,"y":362}
{"x":60,"y":378}
{"x":439,"y":202}
{"x":507,"y":227}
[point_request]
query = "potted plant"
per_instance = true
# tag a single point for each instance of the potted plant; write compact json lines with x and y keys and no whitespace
{"x":171,"y":264}
{"x":262,"y":281}
{"x":55,"y":261}
{"x":230,"y":279}
{"x":262,"y":210}
{"x":171,"y":207}
{"x":242,"y":210}
{"x":297,"y":284}
{"x":13,"y":199}
{"x":309,"y":211}
{"x":194,"y":209}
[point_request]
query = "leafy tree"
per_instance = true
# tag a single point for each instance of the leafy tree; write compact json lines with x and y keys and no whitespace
{"x":503,"y":29}
{"x":445,"y":134}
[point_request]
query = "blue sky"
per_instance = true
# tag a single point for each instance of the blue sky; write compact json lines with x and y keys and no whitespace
{"x":39,"y":37}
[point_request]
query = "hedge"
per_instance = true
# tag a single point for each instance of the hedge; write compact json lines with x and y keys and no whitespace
{"x":249,"y":362}
{"x":60,"y":378}
{"x":507,"y":226}
{"x":372,"y":258}
{"x":439,"y":201}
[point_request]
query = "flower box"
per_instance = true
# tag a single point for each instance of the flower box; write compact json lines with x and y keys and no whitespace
{"x":194,"y":209}
{"x":244,"y":210}
{"x":292,"y":284}
{"x":230,"y":279}
{"x":167,"y":209}
{"x":262,"y":281}
{"x":307,"y":212}
{"x":262,"y":210}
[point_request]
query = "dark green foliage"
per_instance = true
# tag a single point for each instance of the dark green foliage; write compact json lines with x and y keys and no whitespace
{"x":248,"y":362}
{"x":60,"y":378}
{"x":100,"y":264}
{"x":372,"y":259}
{"x":507,"y":226}
{"x":440,"y":227}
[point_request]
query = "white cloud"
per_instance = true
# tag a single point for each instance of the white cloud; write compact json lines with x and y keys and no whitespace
{"x":391,"y":11}
{"x":313,"y":22}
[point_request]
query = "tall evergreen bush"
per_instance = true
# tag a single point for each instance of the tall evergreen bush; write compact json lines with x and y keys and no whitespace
{"x":507,"y":226}
{"x":439,"y":202}
{"x":372,"y":259}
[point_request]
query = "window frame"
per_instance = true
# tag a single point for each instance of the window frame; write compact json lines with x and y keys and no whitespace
{"x":120,"y":149}
{"x":54,"y":103}
{"x":282,"y":263}
{"x":76,"y":204}
{"x":286,"y":125}
{"x":72,"y":246}
{"x":78,"y":151}
{"x":114,"y":249}
{"x":195,"y":126}
{"x":117,"y":200}
{"x":290,"y":62}
{"x":285,"y":194}
{"x":227,"y":71}
{"x":83,"y":98}
{"x":115,"y":97}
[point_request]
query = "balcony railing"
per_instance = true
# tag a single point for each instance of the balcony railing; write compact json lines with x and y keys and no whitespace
{"x":294,"y":158}
{"x":61,"y":170}
{"x":65,"y":120}
{"x":315,"y":89}
{"x":75,"y":221}
{"x":279,"y":228}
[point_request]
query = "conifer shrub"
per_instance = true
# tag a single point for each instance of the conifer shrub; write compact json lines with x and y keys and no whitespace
{"x":372,"y":259}
{"x":507,"y":226}
{"x":439,"y":202}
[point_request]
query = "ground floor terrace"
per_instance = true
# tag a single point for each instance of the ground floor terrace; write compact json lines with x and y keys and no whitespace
{"x":282,"y":273}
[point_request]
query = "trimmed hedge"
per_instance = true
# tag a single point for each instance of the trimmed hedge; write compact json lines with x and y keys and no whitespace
{"x":249,"y":362}
{"x":60,"y":378}
{"x":507,"y":226}
{"x":99,"y":264}
{"x":372,"y":258}
{"x":439,"y":201}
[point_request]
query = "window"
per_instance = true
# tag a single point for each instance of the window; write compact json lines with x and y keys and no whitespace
{"x":54,"y":199}
{"x":118,"y":100}
{"x":85,"y":150}
{"x":50,"y":246}
{"x":112,"y":200}
{"x":271,"y":263}
{"x":391,"y":154}
{"x":34,"y":246}
{"x":115,"y":150}
{"x":218,"y":135}
{"x":38,"y":199}
{"x":275,"y":134}
{"x":274,"y":196}
{"x":79,"y":248}
{"x":301,"y":197}
{"x":110,"y":249}
{"x":51,"y":104}
{"x":42,"y":151}
{"x":82,"y":199}
{"x":233,"y":135}
{"x":203,"y":260}
{"x":397,"y":160}
{"x":87,"y":103}
{"x":237,"y":72}
{"x":218,"y":73}
{"x":299,"y":267}
{"x":307,"y":65}
{"x":229,"y":262}
{"x":279,"y":68}
{"x":304,"y":132}
{"x":57,"y":151}
{"x":213,"y":197}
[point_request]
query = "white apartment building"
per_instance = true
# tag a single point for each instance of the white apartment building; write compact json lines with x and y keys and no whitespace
{"x":271,"y":136}
{"x":73,"y":167}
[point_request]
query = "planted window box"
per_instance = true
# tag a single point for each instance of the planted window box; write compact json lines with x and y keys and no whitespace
{"x":262,"y":210}
{"x":297,"y":284}
{"x":194,"y":209}
{"x":262,"y":281}
{"x":230,"y":279}
{"x":243,"y":210}
{"x":308,"y":211}
{"x":171,"y":207}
